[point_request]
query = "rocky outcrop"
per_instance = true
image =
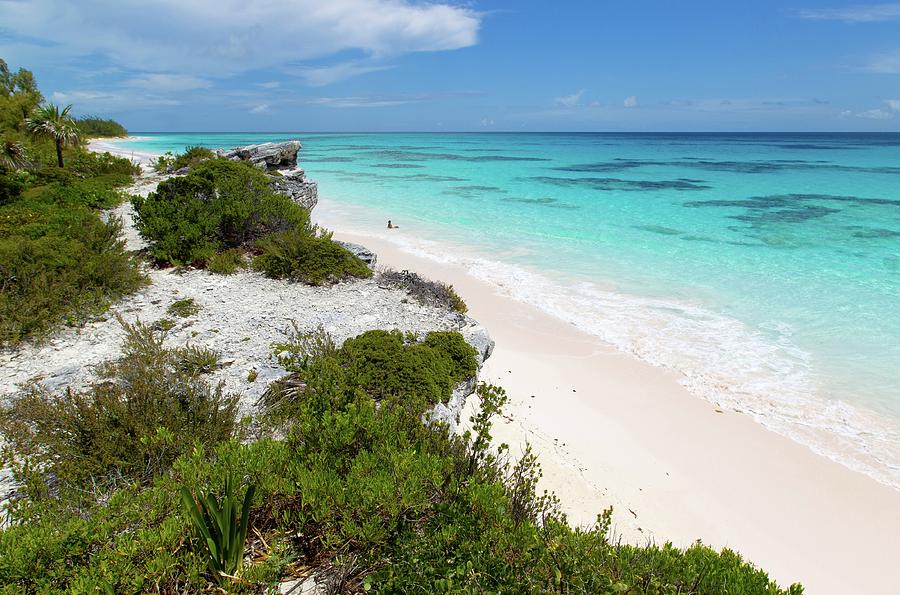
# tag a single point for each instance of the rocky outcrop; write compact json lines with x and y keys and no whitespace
{"x":295,"y":185}
{"x":268,"y":156}
{"x":361,"y":252}
{"x":281,"y":160}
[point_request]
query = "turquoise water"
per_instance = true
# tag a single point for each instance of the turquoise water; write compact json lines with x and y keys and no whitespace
{"x":764,"y":267}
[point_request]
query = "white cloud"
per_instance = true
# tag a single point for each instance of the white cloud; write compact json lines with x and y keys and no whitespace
{"x":893,"y":104}
{"x":345,"y":102}
{"x":221,"y":37}
{"x":630,"y":101}
{"x":885,"y":64}
{"x":870,"y":13}
{"x":487,"y":122}
{"x":111,"y":100}
{"x":875,"y":114}
{"x":569,"y":100}
{"x":320,"y":76}
{"x":259,"y":109}
{"x":167,"y":82}
{"x":269,"y":85}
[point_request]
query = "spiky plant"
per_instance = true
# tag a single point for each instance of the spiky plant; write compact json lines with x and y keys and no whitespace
{"x":48,"y":121}
{"x":223,"y":531}
{"x":12,"y":155}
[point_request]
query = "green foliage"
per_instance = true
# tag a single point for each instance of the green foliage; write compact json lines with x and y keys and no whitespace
{"x":11,"y":185}
{"x":196,"y":360}
{"x":220,"y":526}
{"x":58,"y":263}
{"x":19,"y":96}
{"x":220,"y":204}
{"x":91,"y":164}
{"x":125,"y":425}
{"x":192,"y":157}
{"x":363,"y":491}
{"x":100,"y":127}
{"x":184,"y":308}
{"x":226,"y":262}
{"x":383,"y":364}
{"x":307,"y":257}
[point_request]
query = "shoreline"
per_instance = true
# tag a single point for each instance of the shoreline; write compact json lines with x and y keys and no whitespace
{"x":608,"y":430}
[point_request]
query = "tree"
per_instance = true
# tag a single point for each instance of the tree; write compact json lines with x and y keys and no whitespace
{"x":48,"y":121}
{"x":19,"y":96}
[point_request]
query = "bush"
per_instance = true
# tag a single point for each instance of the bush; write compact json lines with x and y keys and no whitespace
{"x":96,"y":126}
{"x":384,"y":364}
{"x":304,"y":256}
{"x":149,"y":407}
{"x":58,"y":264}
{"x":368,"y":497}
{"x":433,"y":293}
{"x":226,"y":262}
{"x":11,"y":185}
{"x":183,"y":308}
{"x":220,"y":204}
{"x":89,"y":163}
{"x":191,"y":158}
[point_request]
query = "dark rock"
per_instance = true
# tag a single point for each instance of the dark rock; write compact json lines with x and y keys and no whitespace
{"x":361,"y":252}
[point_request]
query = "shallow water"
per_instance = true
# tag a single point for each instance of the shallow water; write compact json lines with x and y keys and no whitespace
{"x":764,"y":267}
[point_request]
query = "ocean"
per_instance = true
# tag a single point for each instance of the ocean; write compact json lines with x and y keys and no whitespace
{"x":764,"y":268}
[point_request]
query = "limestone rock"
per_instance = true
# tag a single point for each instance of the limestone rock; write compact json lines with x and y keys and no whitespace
{"x":268,"y":156}
{"x":361,"y":252}
{"x":295,"y":185}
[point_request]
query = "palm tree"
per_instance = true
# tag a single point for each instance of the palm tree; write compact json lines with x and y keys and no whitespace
{"x":12,"y":155}
{"x":46,"y":120}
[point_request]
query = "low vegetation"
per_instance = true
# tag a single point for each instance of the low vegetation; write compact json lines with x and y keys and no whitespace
{"x":357,"y":491}
{"x":307,"y":256}
{"x":60,"y":261}
{"x":219,"y":205}
{"x":183,"y":308}
{"x":226,"y":262}
{"x":223,"y":209}
{"x":192,"y":157}
{"x":146,"y":409}
{"x":425,"y":291}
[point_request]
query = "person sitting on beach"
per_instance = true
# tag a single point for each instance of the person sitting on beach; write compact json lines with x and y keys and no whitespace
{"x":392,"y":226}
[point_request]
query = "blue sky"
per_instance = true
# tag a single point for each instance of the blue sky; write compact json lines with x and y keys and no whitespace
{"x":385,"y":65}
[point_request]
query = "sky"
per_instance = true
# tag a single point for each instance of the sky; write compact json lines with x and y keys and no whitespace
{"x":481,"y":65}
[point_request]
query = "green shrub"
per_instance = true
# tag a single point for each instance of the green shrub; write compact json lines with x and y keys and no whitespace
{"x":92,"y":164}
{"x":191,"y":158}
{"x":149,"y":407}
{"x":226,"y":262}
{"x":12,"y":183}
{"x":384,"y":364}
{"x":303,"y":256}
{"x":183,"y":308}
{"x":58,"y":264}
{"x":96,"y":126}
{"x":368,"y":496}
{"x":220,"y":204}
